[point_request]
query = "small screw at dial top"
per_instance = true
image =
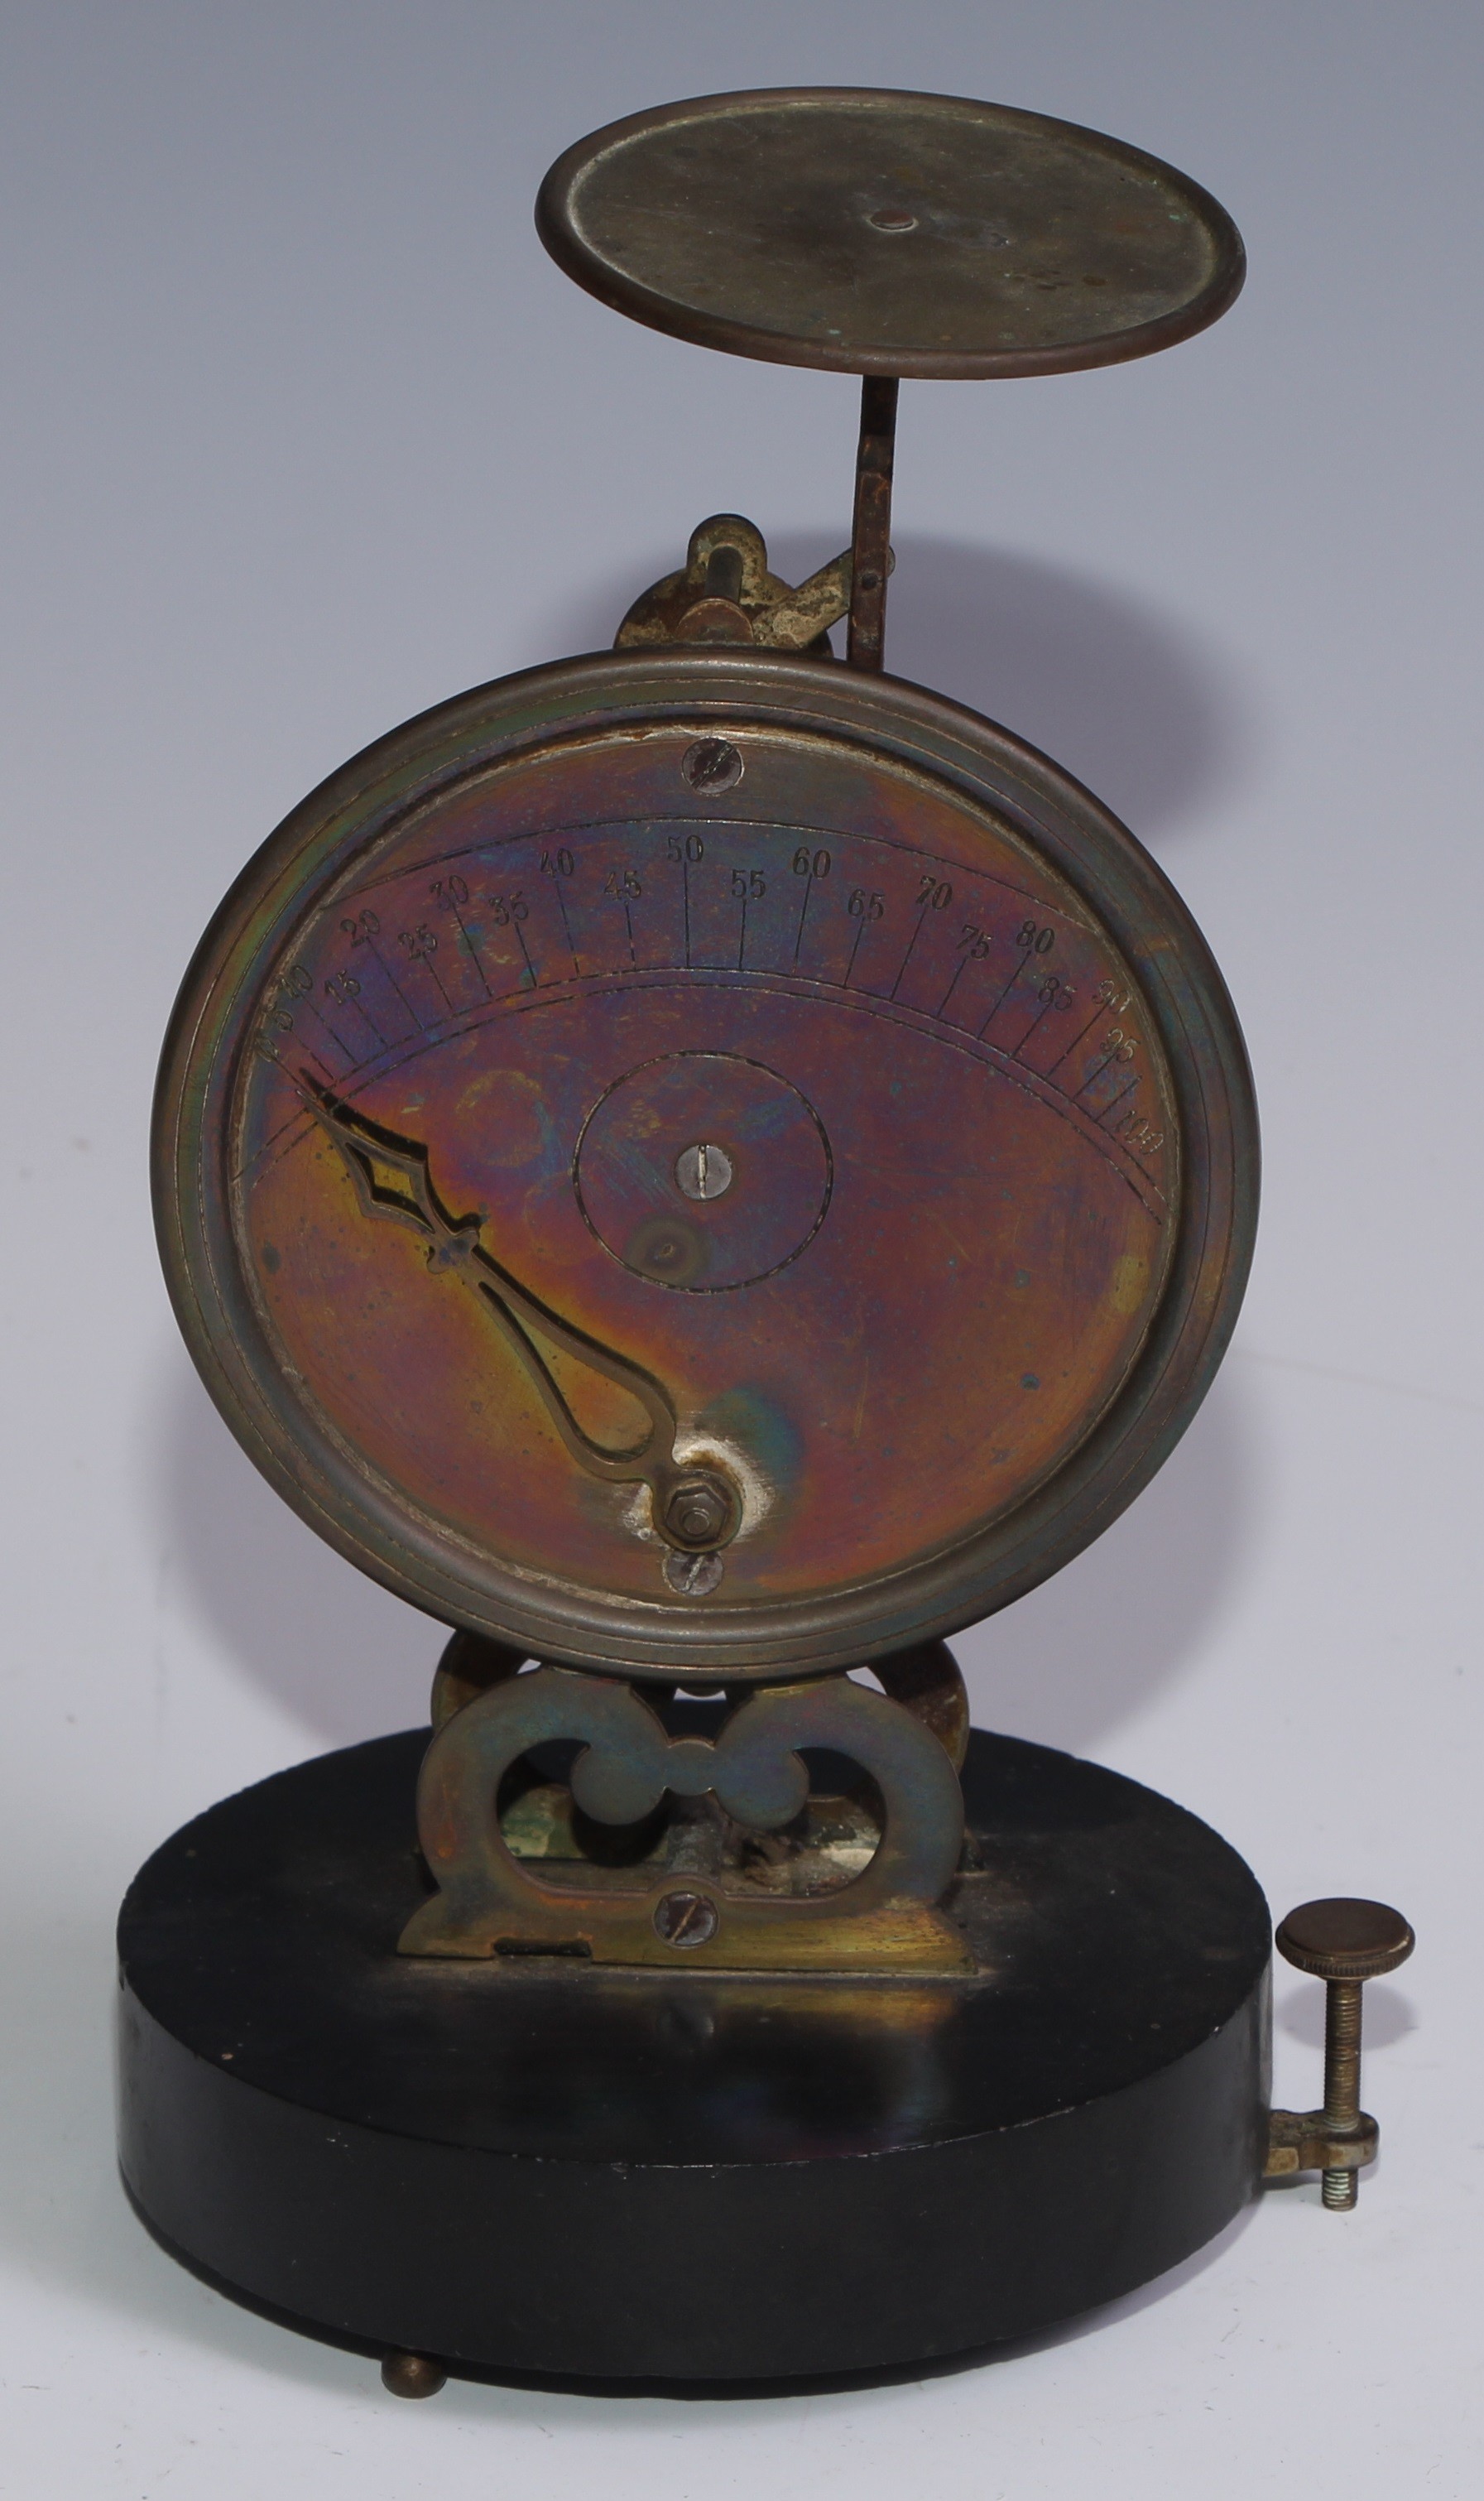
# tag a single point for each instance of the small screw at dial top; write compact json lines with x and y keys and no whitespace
{"x":711,"y":764}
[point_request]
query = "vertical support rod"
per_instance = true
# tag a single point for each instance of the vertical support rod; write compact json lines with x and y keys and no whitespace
{"x":871,"y":539}
{"x":1341,"y":2081}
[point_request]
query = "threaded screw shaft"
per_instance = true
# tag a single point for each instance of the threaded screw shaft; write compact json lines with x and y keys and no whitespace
{"x":1344,"y":1942}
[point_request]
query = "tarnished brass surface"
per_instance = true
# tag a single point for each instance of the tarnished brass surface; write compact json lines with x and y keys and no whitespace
{"x":870,"y":534}
{"x":975,"y":1096}
{"x":925,"y":1681}
{"x":690,"y":1508}
{"x":412,"y":2375}
{"x":1344,"y":1938}
{"x":830,"y":1842}
{"x":888,"y":233}
{"x":1344,"y":1941}
{"x":725,"y":593}
{"x":696,"y":1911}
{"x":1308,"y":2140}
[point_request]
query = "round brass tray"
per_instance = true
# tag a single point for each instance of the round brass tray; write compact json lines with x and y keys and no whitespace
{"x":957,"y":1267}
{"x":880,"y":232}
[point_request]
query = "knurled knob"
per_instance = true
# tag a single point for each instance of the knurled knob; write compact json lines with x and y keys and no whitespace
{"x":1345,"y":1939}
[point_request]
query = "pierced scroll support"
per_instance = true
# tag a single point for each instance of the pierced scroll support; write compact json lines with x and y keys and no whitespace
{"x":684,"y":1907}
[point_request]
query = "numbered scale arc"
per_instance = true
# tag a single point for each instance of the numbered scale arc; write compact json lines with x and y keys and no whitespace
{"x":700,"y":1062}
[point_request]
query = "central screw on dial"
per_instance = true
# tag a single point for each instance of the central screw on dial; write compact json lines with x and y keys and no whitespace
{"x":704,"y":1171}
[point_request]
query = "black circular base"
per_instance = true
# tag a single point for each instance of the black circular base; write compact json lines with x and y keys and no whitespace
{"x":537,"y":2169}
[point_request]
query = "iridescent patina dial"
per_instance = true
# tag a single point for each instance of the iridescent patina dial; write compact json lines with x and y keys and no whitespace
{"x":707,"y":1161}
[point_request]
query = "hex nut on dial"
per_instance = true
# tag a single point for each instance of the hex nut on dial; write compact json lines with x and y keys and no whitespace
{"x":699,"y":1510}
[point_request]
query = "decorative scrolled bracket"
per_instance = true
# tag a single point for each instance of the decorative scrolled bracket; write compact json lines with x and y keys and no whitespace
{"x":725,"y":592}
{"x":883,"y":1918}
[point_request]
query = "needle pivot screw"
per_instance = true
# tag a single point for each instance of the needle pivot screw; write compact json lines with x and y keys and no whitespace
{"x":699,"y":1510}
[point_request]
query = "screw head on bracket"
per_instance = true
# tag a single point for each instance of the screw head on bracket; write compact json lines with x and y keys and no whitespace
{"x":685,"y":1919}
{"x":1344,"y":1939}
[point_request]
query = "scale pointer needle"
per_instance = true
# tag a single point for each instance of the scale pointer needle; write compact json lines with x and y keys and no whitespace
{"x":392,"y":1179}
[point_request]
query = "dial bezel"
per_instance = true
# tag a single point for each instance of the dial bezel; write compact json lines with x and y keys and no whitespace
{"x":319,"y":1476}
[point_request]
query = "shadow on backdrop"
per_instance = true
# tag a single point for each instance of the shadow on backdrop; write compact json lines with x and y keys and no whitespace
{"x":1127,"y":698}
{"x":1092,"y":1647}
{"x":1388,"y":2015}
{"x":1063,"y":1667}
{"x":343,"y":1655}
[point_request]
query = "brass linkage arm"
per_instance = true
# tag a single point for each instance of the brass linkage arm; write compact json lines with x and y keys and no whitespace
{"x":725,"y":593}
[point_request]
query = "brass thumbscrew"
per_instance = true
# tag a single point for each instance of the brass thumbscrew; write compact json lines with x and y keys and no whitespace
{"x":1345,"y":1944}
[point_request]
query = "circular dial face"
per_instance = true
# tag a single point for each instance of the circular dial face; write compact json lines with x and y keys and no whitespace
{"x":706,"y":1163}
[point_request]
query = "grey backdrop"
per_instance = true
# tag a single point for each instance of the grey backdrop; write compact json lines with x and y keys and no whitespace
{"x":302,"y":432}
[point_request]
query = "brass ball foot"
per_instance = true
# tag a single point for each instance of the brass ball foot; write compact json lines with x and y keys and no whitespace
{"x":412,"y":2375}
